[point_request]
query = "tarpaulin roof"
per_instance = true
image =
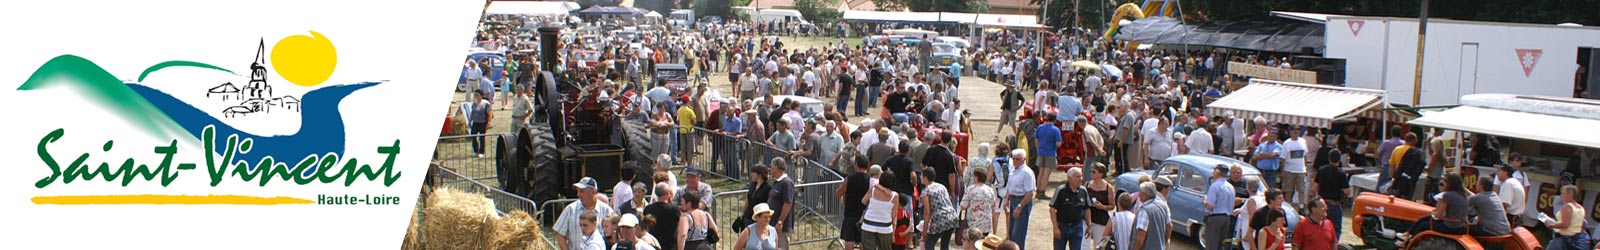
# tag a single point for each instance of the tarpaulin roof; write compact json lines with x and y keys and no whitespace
{"x":1288,"y":37}
{"x":1002,"y":20}
{"x":610,"y":10}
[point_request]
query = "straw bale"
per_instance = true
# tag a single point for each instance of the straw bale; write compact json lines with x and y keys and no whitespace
{"x":517,"y":231}
{"x":457,"y":220}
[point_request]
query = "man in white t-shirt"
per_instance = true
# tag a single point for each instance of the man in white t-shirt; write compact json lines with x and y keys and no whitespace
{"x":1294,"y":167}
{"x":1512,"y":193}
{"x":1199,"y":141}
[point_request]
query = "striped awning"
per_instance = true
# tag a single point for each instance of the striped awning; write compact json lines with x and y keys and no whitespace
{"x":1295,"y":104}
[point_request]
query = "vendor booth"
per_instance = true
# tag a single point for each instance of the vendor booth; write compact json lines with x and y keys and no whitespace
{"x":1558,"y":136}
{"x":1314,"y":106}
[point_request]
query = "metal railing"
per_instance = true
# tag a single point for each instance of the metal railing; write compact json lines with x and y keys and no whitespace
{"x":457,"y":152}
{"x":817,"y":212}
{"x":503,"y":202}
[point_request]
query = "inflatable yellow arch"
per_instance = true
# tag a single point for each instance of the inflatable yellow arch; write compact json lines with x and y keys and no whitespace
{"x":1116,"y":19}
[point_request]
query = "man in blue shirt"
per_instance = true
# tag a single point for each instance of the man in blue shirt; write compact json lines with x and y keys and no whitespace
{"x":733,"y":130}
{"x":1067,"y":107}
{"x":1219,"y":208}
{"x":1267,"y":159}
{"x":1047,"y":138}
{"x":955,"y":74}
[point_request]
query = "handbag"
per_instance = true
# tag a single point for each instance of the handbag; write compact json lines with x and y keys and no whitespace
{"x":711,"y":236}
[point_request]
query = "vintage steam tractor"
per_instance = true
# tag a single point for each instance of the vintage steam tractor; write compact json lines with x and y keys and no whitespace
{"x":575,"y":132}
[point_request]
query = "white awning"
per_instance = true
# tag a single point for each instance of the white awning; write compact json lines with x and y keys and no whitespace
{"x":1304,"y":16}
{"x":1295,"y":103}
{"x":1559,"y":129}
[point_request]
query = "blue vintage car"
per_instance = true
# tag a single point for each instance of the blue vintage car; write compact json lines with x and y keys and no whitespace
{"x":1190,"y":175}
{"x":496,"y":68}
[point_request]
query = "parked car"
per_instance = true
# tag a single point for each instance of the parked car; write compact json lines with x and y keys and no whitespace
{"x":1191,"y":175}
{"x":945,"y":54}
{"x":809,"y":107}
{"x":674,"y":76}
{"x":495,"y":69}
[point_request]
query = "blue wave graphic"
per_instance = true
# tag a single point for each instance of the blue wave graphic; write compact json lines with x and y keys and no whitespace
{"x":321,"y":126}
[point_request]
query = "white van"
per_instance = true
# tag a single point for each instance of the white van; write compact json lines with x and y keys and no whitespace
{"x":792,"y":16}
{"x":681,"y":18}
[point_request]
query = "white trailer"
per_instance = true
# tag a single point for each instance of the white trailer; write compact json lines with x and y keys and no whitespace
{"x":1462,"y":57}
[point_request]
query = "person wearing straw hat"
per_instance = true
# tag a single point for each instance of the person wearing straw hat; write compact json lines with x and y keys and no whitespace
{"x":567,"y":225}
{"x":990,"y":242}
{"x":760,"y":235}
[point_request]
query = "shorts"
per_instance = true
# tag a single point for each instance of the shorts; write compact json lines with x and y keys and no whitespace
{"x":850,"y":230}
{"x":733,"y":78}
{"x":1008,"y":116}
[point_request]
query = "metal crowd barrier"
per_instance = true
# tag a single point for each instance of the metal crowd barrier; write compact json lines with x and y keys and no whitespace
{"x":456,"y":151}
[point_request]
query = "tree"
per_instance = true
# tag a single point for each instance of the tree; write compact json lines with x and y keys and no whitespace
{"x":659,"y":6}
{"x":890,"y":5}
{"x":818,"y":11}
{"x":719,"y":8}
{"x":939,"y":5}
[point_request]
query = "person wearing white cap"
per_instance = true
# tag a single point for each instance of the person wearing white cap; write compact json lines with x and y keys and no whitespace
{"x":630,"y":236}
{"x":567,"y":225}
{"x":759,"y":235}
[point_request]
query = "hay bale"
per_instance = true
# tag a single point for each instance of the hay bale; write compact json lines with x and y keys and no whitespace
{"x":517,"y":231}
{"x":456,"y":220}
{"x":411,"y":242}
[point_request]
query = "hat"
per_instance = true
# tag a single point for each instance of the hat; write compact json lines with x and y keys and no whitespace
{"x":990,"y":242}
{"x":691,"y":171}
{"x":628,"y":220}
{"x":586,"y":182}
{"x":760,"y":208}
{"x":1163,"y":181}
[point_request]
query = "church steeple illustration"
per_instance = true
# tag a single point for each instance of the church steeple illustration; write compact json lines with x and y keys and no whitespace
{"x":258,"y":88}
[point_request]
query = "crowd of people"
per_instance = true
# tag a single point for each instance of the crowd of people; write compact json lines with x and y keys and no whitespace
{"x":904,"y":188}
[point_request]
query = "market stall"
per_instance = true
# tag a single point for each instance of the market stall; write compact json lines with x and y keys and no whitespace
{"x":1559,"y":137}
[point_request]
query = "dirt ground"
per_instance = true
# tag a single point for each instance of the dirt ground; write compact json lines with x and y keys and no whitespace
{"x":976,"y":94}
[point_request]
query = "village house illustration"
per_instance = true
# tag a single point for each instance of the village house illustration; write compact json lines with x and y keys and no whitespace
{"x":256,"y":96}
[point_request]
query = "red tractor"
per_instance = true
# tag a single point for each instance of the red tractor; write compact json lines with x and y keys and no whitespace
{"x":923,"y":129}
{"x":1073,"y":147}
{"x":1378,"y":216}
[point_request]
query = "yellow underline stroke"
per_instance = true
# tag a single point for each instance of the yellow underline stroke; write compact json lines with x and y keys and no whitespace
{"x":155,"y":199}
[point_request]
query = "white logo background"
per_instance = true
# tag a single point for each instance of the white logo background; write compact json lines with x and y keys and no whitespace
{"x":415,"y":45}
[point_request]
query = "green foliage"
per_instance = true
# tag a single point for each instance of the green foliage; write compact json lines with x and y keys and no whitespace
{"x":890,"y":5}
{"x":939,"y":5}
{"x":818,"y":11}
{"x":659,"y":6}
{"x":719,"y":8}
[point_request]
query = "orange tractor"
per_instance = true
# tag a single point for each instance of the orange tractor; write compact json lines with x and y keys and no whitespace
{"x":1378,"y":216}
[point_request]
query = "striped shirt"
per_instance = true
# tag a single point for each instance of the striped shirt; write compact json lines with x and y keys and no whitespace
{"x":1153,"y":219}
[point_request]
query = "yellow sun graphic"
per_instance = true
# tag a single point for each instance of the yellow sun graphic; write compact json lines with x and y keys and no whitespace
{"x":304,"y":60}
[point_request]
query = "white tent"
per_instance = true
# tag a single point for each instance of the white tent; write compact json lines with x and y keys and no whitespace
{"x":994,"y":20}
{"x":531,"y":8}
{"x":653,"y":14}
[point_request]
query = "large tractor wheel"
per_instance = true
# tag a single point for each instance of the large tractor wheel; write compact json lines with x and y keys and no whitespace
{"x":638,"y":144}
{"x":545,"y":182}
{"x":1437,"y":243}
{"x":509,"y":170}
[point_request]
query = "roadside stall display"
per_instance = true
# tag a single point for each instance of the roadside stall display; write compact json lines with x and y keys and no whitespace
{"x":1554,"y":135}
